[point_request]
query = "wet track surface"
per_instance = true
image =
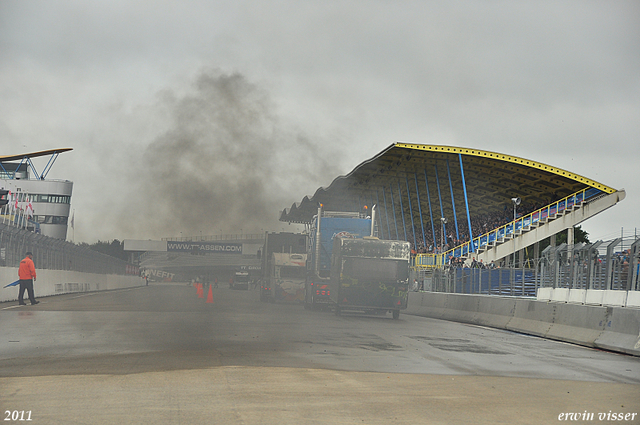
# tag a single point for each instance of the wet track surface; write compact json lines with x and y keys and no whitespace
{"x":165,"y":330}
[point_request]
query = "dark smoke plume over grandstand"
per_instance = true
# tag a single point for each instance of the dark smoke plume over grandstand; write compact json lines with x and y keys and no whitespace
{"x":226,"y":163}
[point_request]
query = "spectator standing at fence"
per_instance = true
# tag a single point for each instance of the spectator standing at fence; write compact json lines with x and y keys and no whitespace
{"x":27,"y":275}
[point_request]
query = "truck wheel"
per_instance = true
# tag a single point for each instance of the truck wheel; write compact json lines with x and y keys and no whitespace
{"x":337,"y":311}
{"x":396,"y":314}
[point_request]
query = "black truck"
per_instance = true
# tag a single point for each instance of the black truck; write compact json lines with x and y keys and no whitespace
{"x":370,"y":275}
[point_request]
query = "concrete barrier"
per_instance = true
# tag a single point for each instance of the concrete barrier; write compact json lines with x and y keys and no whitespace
{"x":432,"y":306}
{"x":577,"y":296}
{"x":594,"y":297}
{"x":578,"y":324}
{"x":544,"y":294}
{"x":622,"y":331}
{"x":56,"y":282}
{"x":495,"y":312}
{"x":614,"y":298}
{"x":532,"y":318}
{"x":607,"y":327}
{"x":560,"y":295}
{"x":462,"y":308}
{"x":633,"y":299}
{"x":590,"y":297}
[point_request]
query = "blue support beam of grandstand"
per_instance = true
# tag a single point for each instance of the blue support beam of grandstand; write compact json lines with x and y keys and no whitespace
{"x":444,"y":228}
{"x":385,"y":210}
{"x":393,"y":208}
{"x":433,"y":229}
{"x":413,"y":227}
{"x":466,"y":201}
{"x":404,"y":225}
{"x":424,"y":239}
{"x":453,"y":202}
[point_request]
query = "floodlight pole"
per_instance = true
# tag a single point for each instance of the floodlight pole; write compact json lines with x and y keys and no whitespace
{"x":516,"y":202}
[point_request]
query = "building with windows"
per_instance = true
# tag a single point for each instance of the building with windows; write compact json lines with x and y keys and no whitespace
{"x":50,"y":200}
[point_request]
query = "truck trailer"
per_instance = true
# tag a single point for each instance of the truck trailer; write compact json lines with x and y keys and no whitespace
{"x":285,"y":254}
{"x":325,"y":228}
{"x":370,"y":275}
{"x":240,"y":280}
{"x":286,"y":280}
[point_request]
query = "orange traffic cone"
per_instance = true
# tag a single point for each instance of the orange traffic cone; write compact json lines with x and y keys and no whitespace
{"x":200,"y":291}
{"x":210,"y":296}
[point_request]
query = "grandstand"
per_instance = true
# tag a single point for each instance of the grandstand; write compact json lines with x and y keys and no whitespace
{"x":453,"y":202}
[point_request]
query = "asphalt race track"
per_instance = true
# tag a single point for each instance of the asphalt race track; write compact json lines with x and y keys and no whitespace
{"x":159,"y":354}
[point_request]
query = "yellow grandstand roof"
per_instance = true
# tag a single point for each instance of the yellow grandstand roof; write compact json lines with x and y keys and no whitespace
{"x":405,"y":173}
{"x":32,"y":154}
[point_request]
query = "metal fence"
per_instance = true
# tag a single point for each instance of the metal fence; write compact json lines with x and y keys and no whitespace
{"x":612,"y":265}
{"x":503,"y":281}
{"x":56,"y":254}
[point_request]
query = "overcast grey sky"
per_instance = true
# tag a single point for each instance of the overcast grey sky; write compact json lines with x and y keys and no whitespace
{"x":172,"y":106}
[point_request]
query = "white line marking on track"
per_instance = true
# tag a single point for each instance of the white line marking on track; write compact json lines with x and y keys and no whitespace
{"x":82,"y":295}
{"x":28,"y":305}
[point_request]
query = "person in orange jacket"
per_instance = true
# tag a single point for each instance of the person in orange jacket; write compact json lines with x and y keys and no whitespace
{"x":27,"y":275}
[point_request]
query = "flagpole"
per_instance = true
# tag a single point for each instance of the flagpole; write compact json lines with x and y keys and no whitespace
{"x":17,"y":214}
{"x":29,"y":211}
{"x":10,"y":207}
{"x":18,"y":210}
{"x":13,"y":208}
{"x":23,"y":221}
{"x":24,"y":214}
{"x":7,"y":208}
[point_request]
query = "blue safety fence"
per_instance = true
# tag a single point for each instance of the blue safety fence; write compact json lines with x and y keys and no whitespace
{"x":513,"y":282}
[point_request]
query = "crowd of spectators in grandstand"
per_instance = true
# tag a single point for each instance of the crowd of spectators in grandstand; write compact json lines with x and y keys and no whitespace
{"x":458,"y":262}
{"x":480,"y":225}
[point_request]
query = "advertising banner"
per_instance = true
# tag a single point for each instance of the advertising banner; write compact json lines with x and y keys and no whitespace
{"x":205,"y":247}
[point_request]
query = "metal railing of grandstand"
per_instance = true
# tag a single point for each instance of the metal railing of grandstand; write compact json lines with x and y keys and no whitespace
{"x":56,"y":254}
{"x":508,"y":230}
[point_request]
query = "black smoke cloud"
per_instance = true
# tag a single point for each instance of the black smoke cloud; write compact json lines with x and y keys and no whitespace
{"x":227,"y":163}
